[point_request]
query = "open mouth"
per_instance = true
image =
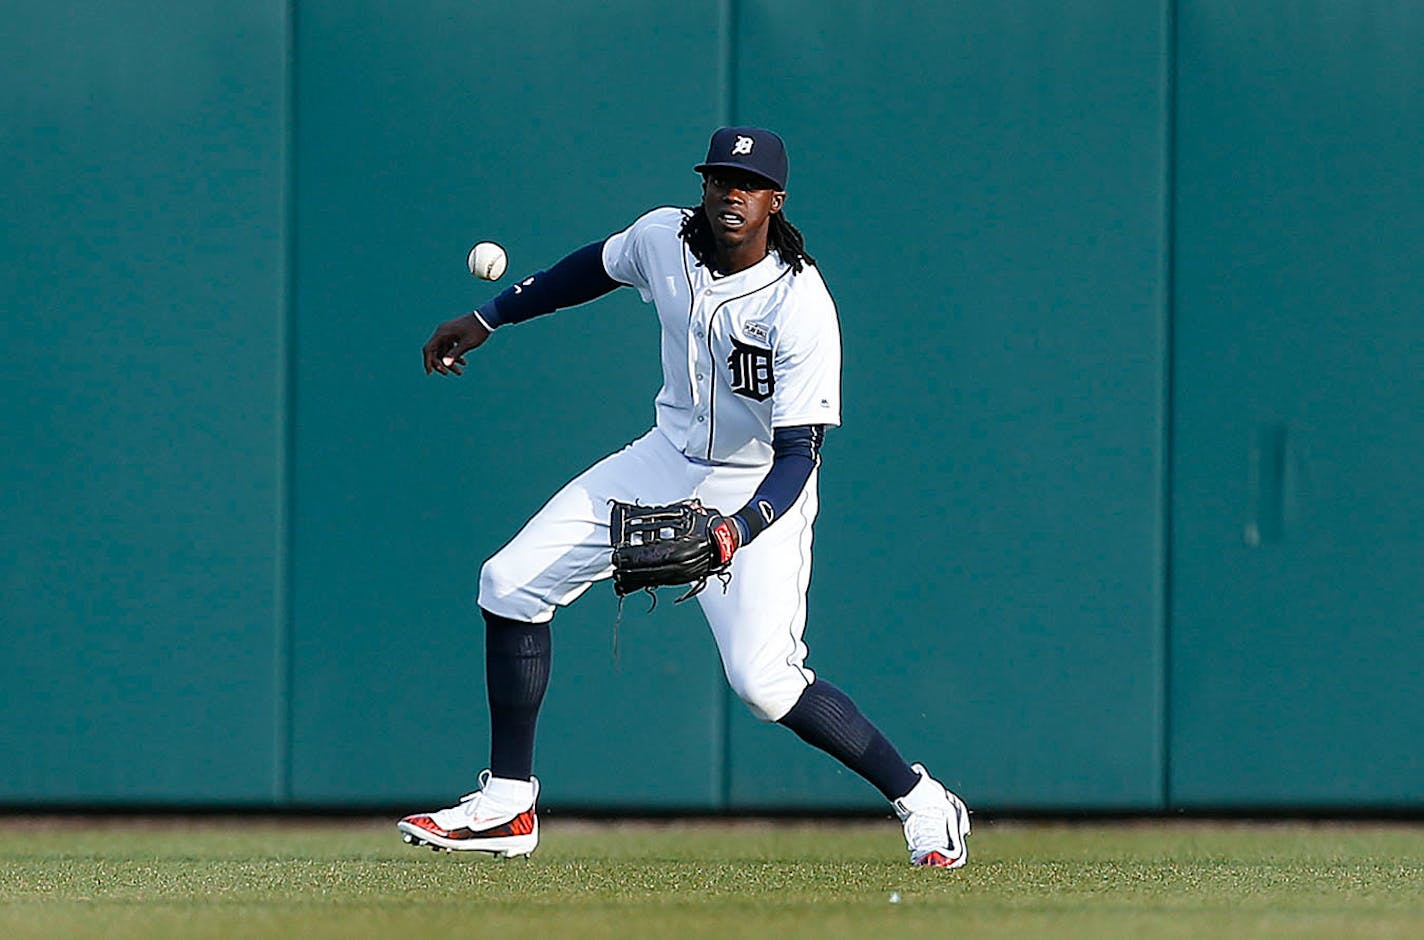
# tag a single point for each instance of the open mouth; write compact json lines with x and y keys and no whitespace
{"x":730,"y":220}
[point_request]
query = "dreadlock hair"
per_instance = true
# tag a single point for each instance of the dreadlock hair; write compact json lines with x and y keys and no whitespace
{"x":782,"y":237}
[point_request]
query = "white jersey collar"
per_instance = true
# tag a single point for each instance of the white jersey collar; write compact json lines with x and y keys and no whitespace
{"x":759,"y":275}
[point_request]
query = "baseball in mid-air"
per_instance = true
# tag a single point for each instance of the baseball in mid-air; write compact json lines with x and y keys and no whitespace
{"x":487,"y":261}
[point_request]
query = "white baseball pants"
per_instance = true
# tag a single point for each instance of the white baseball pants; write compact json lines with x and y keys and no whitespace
{"x":758,"y":623}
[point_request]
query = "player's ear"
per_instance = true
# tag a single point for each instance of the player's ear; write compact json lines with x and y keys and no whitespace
{"x":777,"y":201}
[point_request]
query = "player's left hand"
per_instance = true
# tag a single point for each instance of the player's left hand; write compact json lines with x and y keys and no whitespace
{"x":726,"y":539}
{"x":445,"y":351}
{"x":680,"y":543}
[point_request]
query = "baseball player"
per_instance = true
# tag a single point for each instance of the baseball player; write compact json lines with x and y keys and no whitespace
{"x":751,"y":380}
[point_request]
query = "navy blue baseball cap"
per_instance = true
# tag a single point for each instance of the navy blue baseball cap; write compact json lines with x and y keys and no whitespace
{"x":754,"y":149}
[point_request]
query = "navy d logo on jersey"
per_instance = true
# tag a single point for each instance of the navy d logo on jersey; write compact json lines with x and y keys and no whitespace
{"x":751,"y":371}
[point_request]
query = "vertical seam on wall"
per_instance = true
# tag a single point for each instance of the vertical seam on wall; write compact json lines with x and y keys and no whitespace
{"x":727,"y":111}
{"x":727,"y":61}
{"x":1169,"y":272}
{"x":286,"y":429}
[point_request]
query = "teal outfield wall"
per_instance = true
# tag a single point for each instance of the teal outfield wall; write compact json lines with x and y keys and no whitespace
{"x":1121,"y":517}
{"x":142,"y":416}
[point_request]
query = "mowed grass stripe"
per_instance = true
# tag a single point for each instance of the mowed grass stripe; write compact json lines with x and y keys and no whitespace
{"x":261,"y":878}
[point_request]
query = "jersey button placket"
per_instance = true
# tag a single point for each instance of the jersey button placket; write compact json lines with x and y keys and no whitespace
{"x":700,"y":370}
{"x":706,"y":336}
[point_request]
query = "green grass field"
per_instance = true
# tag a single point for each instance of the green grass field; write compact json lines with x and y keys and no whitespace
{"x":275,"y":878}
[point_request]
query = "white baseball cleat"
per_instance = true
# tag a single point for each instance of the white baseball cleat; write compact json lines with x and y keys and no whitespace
{"x":936,"y":823}
{"x":480,"y":822}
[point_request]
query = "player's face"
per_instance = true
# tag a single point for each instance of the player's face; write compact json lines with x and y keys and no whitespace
{"x":739,"y":206}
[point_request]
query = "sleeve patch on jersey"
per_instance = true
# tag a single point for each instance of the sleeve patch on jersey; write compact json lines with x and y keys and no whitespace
{"x":767,"y":510}
{"x":751,"y":371}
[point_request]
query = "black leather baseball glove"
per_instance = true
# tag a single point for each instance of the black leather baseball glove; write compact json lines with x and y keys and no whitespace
{"x":680,"y":543}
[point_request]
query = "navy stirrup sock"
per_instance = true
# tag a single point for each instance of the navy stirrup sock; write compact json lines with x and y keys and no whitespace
{"x":517,"y":660}
{"x":826,"y":718}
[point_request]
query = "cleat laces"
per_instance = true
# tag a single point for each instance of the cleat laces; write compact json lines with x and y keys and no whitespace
{"x":928,"y":830}
{"x":467,"y":808}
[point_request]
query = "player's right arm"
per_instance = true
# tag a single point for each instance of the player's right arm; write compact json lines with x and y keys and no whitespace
{"x":592,"y":271}
{"x":575,"y":280}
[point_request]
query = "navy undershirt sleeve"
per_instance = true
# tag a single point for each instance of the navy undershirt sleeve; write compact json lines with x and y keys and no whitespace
{"x":796,"y":451}
{"x":575,"y":280}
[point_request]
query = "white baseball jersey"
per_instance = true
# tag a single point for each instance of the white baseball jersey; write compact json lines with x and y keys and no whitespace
{"x":742,"y":354}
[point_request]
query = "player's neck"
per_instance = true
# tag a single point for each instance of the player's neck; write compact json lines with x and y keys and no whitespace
{"x":732,"y":259}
